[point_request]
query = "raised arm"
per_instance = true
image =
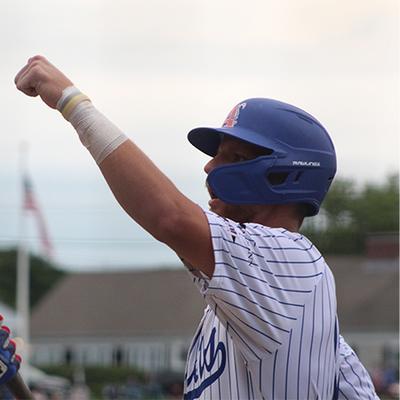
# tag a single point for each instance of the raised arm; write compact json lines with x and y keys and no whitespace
{"x":144,"y":192}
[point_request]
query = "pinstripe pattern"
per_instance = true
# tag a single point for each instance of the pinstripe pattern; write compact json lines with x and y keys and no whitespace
{"x":354,"y":383}
{"x":270,"y":327}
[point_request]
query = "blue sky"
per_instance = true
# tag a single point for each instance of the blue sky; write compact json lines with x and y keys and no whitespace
{"x":158,"y":69}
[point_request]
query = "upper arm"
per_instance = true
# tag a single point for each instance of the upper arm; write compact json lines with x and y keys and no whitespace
{"x":188,"y":234}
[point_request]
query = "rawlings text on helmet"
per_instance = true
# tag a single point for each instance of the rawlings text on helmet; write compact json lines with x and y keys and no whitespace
{"x":307,"y":163}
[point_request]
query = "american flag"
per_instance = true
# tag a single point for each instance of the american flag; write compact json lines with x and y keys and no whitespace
{"x":30,"y":204}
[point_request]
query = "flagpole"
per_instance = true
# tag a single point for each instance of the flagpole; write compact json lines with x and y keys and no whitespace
{"x":23,"y":268}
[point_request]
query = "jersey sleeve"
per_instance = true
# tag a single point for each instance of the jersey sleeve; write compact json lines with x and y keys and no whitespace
{"x":261,"y":282}
{"x":354,"y":380}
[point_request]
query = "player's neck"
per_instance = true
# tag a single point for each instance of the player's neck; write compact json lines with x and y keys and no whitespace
{"x":279,"y":216}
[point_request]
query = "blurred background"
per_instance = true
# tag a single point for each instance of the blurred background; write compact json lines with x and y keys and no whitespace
{"x":99,"y":285}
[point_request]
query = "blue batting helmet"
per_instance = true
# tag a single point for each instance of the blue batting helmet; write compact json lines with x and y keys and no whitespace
{"x":301,"y":152}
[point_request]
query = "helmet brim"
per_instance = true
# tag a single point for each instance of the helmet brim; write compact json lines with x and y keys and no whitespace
{"x":208,"y":140}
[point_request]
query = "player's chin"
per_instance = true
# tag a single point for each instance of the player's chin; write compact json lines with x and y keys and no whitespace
{"x":217,"y":206}
{"x":233,"y":212}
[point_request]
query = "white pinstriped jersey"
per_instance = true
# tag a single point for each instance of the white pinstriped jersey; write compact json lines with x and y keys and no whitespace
{"x":270,"y":329}
{"x":354,"y":381}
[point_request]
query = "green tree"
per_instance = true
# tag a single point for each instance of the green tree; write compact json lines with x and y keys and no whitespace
{"x":43,"y":276}
{"x":377,"y":207}
{"x":349,"y":214}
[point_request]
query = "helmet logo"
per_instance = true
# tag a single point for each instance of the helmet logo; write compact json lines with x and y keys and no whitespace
{"x":232,"y":118}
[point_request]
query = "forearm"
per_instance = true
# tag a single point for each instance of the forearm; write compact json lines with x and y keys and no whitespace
{"x":144,"y":192}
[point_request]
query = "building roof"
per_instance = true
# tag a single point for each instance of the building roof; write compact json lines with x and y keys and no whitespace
{"x":166,"y":302}
{"x":367,"y":293}
{"x":146,"y":303}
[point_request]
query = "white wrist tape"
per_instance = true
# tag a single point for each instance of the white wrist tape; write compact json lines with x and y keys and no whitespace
{"x":99,"y":135}
{"x":70,"y":98}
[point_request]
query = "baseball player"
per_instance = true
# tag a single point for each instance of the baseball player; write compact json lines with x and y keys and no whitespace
{"x":270,"y":330}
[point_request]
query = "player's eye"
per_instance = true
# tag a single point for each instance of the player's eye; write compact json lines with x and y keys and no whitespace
{"x":237,"y":157}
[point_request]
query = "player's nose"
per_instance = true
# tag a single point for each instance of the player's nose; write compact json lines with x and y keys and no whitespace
{"x":210,"y":166}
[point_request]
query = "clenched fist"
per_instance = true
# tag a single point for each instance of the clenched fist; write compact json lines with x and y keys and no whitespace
{"x":40,"y":78}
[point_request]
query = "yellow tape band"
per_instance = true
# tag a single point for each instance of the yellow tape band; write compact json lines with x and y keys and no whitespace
{"x":72,"y":103}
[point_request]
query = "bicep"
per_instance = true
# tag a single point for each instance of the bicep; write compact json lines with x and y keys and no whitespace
{"x":188,"y":234}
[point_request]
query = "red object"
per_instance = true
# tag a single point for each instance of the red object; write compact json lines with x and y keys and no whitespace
{"x":18,"y":358}
{"x":6,"y":328}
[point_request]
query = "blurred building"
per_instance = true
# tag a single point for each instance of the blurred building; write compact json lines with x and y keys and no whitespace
{"x":368,"y":300}
{"x":148,"y":318}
